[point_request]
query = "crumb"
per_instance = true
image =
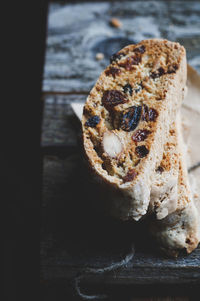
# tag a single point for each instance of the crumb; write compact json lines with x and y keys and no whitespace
{"x":115,"y":22}
{"x":99,"y":56}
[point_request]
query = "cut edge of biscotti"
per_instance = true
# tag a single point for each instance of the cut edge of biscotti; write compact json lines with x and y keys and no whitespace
{"x":169,"y":173}
{"x":180,"y":229}
{"x":165,"y":179}
{"x":128,"y":113}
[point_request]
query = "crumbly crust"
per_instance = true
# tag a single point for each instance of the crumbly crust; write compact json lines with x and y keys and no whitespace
{"x":178,"y":231}
{"x":140,"y":91}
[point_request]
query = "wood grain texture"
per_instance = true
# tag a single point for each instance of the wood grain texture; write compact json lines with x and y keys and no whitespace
{"x":76,"y":32}
{"x":60,"y":125}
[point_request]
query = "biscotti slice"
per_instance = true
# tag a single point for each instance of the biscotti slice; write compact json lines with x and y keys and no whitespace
{"x":171,"y":171}
{"x":181,"y":229}
{"x":127,"y":117}
{"x":164,"y":199}
{"x":165,"y":179}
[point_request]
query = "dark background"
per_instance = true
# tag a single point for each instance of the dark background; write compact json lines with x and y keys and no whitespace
{"x":23,"y":45}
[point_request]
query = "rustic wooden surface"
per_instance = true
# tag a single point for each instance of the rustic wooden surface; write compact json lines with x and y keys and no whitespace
{"x":76,"y":32}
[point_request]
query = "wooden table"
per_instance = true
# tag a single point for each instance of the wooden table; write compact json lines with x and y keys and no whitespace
{"x":76,"y":33}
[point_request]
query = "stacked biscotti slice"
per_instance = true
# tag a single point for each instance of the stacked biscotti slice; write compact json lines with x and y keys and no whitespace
{"x":130,"y":131}
{"x":180,"y":229}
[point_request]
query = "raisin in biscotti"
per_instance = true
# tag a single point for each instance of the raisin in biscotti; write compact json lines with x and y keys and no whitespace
{"x":127,"y":116}
{"x":181,"y":229}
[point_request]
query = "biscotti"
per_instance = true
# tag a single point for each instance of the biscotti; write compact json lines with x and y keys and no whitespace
{"x":165,"y":180}
{"x":180,"y":229}
{"x":127,"y":118}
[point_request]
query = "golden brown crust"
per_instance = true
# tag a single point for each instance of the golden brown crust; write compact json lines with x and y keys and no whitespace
{"x":156,"y":72}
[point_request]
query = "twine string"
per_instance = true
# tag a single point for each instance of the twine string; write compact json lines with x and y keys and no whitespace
{"x":112,"y":267}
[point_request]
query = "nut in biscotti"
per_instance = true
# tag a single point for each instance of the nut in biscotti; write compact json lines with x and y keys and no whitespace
{"x":136,"y":98}
{"x":112,"y":144}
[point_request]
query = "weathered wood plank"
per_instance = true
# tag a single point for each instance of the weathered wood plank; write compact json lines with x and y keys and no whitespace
{"x":76,"y":32}
{"x":60,"y":125}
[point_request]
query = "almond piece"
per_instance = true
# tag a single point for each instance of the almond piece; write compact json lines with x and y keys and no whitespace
{"x":115,"y":22}
{"x":112,"y":144}
{"x":99,"y":56}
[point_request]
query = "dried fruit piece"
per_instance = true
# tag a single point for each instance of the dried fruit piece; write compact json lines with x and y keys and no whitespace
{"x":93,"y":121}
{"x":128,"y":89}
{"x":112,"y":144}
{"x":157,"y":73}
{"x":116,"y":56}
{"x":140,"y":49}
{"x":172,"y":69}
{"x":130,"y":175}
{"x":160,"y":169}
{"x":141,"y":151}
{"x":112,"y":98}
{"x":153,"y":114}
{"x":148,"y":114}
{"x":131,"y":118}
{"x":130,"y":62}
{"x":140,"y":135}
{"x":113,"y":71}
{"x":145,"y":113}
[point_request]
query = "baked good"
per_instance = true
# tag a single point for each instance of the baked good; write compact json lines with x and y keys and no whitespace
{"x":164,"y":195}
{"x":127,"y":118}
{"x":180,"y":229}
{"x":170,"y":175}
